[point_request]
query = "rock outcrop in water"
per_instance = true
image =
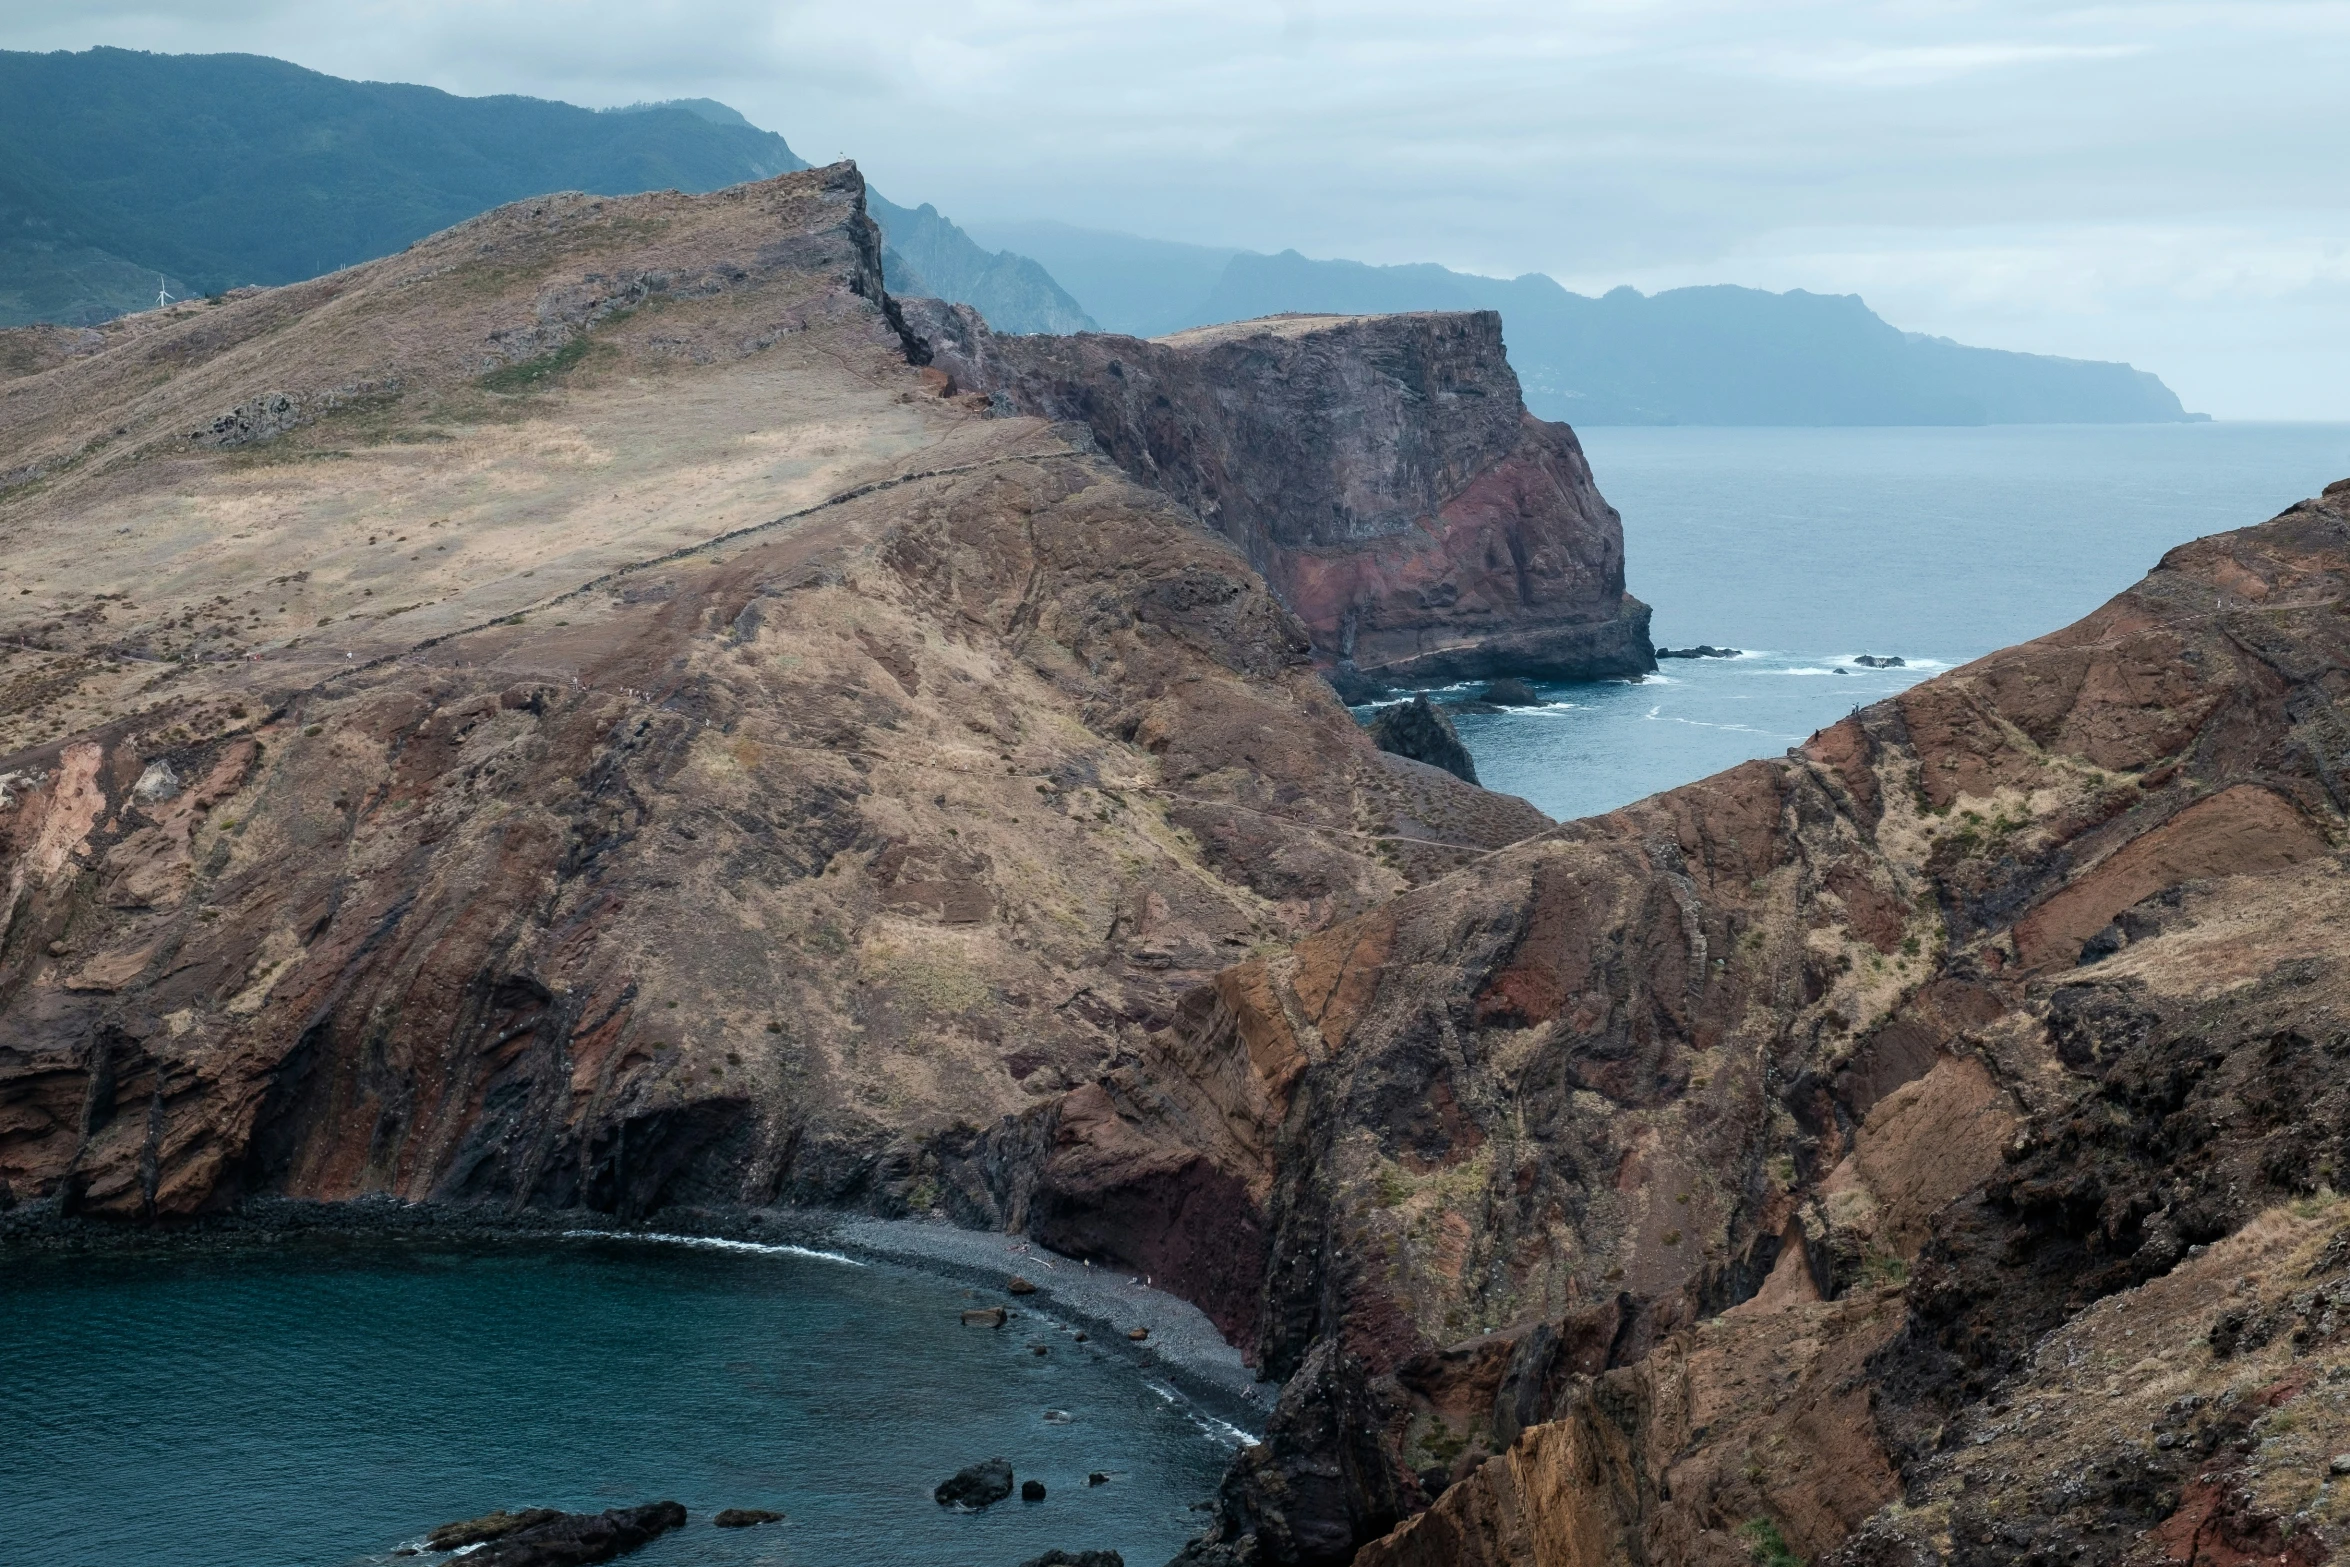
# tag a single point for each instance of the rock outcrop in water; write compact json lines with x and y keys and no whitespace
{"x":1380,"y":471}
{"x":979,"y":1485}
{"x":541,"y":1537}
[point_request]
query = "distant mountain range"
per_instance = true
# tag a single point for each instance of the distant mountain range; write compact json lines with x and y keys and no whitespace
{"x":1720,"y":355}
{"x":122,"y":171}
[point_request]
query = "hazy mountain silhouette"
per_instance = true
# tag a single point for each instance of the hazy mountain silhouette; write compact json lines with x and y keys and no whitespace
{"x":219,"y":170}
{"x":1718,"y":355}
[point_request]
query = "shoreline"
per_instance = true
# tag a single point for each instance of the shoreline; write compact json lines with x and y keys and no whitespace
{"x":1184,"y":1350}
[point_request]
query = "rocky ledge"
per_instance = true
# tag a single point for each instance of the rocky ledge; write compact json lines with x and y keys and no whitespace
{"x":1381,"y":471}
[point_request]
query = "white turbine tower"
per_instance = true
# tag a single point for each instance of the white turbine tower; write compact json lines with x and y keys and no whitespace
{"x":162,"y":294}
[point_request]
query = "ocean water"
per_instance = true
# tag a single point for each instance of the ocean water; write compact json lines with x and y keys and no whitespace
{"x":315,"y":1407}
{"x":1807,"y":547}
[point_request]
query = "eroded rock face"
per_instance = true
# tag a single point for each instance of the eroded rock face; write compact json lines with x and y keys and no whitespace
{"x":1417,"y":730}
{"x":1379,"y":470}
{"x":1723,"y":1158}
{"x":712,"y":767}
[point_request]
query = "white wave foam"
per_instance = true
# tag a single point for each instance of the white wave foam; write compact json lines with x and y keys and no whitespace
{"x":1662,"y":717}
{"x":1225,"y":1431}
{"x":1905,"y":666}
{"x":716,"y":1243}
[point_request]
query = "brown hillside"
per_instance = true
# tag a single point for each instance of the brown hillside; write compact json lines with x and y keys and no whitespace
{"x":568,"y":715}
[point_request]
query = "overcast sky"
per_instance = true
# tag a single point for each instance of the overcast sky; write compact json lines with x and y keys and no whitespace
{"x":2158,"y":182}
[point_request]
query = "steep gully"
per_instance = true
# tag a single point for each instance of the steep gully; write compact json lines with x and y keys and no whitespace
{"x":1744,"y":1166}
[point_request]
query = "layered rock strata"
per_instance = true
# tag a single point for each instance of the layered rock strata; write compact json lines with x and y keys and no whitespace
{"x":650,"y":748}
{"x":1380,"y":471}
{"x":1716,"y":1171}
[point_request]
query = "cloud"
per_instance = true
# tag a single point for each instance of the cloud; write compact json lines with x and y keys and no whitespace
{"x":1918,"y":64}
{"x":1594,"y":139}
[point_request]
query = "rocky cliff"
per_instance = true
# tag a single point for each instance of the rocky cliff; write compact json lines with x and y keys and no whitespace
{"x":568,"y":715}
{"x":581,"y":715}
{"x":1922,"y":1145}
{"x":1380,"y":471}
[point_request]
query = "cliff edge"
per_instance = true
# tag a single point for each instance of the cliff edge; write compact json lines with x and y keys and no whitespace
{"x":1380,"y":471}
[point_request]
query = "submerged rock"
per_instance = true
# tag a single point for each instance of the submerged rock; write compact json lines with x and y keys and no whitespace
{"x":745,"y":1517}
{"x":1877,"y":661}
{"x":574,"y":1539}
{"x":984,"y":1316}
{"x":981,"y":1485}
{"x":1076,"y":1559}
{"x":1416,"y":729}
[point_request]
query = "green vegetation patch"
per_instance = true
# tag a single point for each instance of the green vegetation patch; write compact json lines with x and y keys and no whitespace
{"x":532,"y":372}
{"x":1767,"y":1545}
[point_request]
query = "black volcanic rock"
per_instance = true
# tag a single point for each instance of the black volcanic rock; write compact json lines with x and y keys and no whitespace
{"x":1510,"y":691}
{"x":1419,"y":730}
{"x":980,"y":1485}
{"x":575,"y":1539}
{"x":745,"y":1517}
{"x":1702,"y":650}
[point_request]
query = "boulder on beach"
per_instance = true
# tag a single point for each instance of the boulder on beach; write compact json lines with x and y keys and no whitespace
{"x":1020,"y":1286}
{"x":1039,"y":1349}
{"x":745,"y":1517}
{"x":1032,"y":1490}
{"x":1138,"y":1334}
{"x":981,"y":1485}
{"x":984,"y":1317}
{"x":576,"y":1539}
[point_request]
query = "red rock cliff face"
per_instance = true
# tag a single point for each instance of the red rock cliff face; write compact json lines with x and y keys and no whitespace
{"x":1379,"y":470}
{"x":1724,"y":1157}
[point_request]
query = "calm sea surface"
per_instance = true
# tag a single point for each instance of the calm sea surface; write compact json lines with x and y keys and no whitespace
{"x":278,"y":1408}
{"x":1807,"y":547}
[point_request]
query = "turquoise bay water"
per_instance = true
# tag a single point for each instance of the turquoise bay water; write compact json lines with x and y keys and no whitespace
{"x":317,"y":1407}
{"x":1805,"y":547}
